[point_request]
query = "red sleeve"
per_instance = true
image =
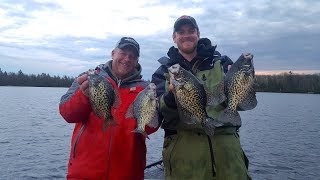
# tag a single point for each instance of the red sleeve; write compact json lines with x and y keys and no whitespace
{"x":76,"y":108}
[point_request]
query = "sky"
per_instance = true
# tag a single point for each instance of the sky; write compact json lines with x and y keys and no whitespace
{"x":68,"y":37}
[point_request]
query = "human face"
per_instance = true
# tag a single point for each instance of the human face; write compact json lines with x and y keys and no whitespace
{"x":124,"y":62}
{"x":186,"y":39}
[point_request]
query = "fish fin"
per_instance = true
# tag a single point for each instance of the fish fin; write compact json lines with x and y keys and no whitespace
{"x":95,"y":109}
{"x":230,"y":117}
{"x":117,"y":100}
{"x":108,"y":122}
{"x":209,"y":95}
{"x":218,"y":96}
{"x":113,"y":122}
{"x":98,"y":114}
{"x":249,"y":102}
{"x":130,"y":112}
{"x":142,"y":131}
{"x":209,"y":125}
{"x":187,"y":117}
{"x":105,"y":125}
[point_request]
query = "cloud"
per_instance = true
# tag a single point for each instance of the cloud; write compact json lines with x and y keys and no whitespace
{"x":94,"y":19}
{"x":67,"y":37}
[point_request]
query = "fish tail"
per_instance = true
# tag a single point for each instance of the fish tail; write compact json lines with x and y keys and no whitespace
{"x":230,"y":117}
{"x":210,"y":124}
{"x":142,"y":131}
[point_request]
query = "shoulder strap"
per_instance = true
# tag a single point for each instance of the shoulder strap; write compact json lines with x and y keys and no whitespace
{"x":163,"y":60}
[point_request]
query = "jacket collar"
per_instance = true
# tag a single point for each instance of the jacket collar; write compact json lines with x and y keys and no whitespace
{"x":135,"y":76}
{"x":176,"y":57}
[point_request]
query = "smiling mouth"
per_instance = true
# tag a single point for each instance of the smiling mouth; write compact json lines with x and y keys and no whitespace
{"x":125,"y":64}
{"x":188,"y":41}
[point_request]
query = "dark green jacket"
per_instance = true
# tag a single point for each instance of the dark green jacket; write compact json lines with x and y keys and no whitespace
{"x":208,"y":66}
{"x":188,"y":153}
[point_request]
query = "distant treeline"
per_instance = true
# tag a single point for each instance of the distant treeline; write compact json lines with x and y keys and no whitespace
{"x":289,"y":83}
{"x":40,"y":80}
{"x":286,"y":82}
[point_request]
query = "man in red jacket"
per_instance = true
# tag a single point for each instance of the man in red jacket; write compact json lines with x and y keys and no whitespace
{"x":116,"y":153}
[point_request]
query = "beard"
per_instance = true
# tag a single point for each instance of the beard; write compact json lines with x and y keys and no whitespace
{"x":188,"y":49}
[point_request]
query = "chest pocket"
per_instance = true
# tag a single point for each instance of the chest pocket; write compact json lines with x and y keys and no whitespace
{"x":127,"y":96}
{"x":211,"y":78}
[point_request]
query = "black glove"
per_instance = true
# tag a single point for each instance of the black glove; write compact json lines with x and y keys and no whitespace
{"x":205,"y":48}
{"x":169,"y":99}
{"x":225,"y":62}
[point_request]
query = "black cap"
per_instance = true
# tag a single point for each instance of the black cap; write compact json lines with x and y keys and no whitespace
{"x":185,"y":20}
{"x":128,"y":41}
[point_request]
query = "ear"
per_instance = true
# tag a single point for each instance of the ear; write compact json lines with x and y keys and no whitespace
{"x":198,"y":34}
{"x":174,"y":37}
{"x":112,"y":53}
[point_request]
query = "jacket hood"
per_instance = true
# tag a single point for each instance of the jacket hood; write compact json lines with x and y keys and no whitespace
{"x":205,"y":51}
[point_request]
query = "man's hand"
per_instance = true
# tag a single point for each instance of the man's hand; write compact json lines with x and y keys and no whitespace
{"x":226,"y":63}
{"x":171,"y":88}
{"x":168,"y":96}
{"x":84,"y":84}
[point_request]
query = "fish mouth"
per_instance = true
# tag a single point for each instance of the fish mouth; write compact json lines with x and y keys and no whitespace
{"x":152,"y":86}
{"x":248,"y":56}
{"x":174,"y":76}
{"x":152,"y":95}
{"x":172,"y":73}
{"x":172,"y":70}
{"x":247,"y":69}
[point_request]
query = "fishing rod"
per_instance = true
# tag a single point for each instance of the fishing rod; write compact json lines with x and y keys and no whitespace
{"x":154,"y":164}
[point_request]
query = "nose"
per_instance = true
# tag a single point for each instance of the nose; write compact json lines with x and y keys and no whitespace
{"x":126,"y":57}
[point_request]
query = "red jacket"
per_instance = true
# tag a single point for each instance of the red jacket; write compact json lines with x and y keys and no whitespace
{"x":117,"y":153}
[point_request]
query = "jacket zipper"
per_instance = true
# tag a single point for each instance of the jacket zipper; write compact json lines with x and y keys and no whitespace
{"x":212,"y":157}
{"x":77,"y":139}
{"x":110,"y":148}
{"x":175,"y":142}
{"x":140,"y":144}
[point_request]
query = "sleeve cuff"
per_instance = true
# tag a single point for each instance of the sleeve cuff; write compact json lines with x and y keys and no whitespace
{"x":169,"y":99}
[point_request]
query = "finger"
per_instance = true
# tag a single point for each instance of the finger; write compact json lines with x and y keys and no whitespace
{"x":82,"y":78}
{"x":86,"y":92}
{"x":171,"y":88}
{"x":229,"y":66}
{"x":85,"y":87}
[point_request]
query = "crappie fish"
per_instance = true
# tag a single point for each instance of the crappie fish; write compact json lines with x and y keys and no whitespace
{"x":191,"y":99}
{"x":144,"y":109}
{"x":102,"y":97}
{"x":241,"y":94}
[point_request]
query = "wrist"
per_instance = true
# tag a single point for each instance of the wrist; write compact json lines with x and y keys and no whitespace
{"x":169,"y":99}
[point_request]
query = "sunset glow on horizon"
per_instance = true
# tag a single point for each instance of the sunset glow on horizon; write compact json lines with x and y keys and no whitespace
{"x":276,"y":72}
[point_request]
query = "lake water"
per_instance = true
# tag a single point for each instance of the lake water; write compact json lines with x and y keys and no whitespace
{"x":280,"y":136}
